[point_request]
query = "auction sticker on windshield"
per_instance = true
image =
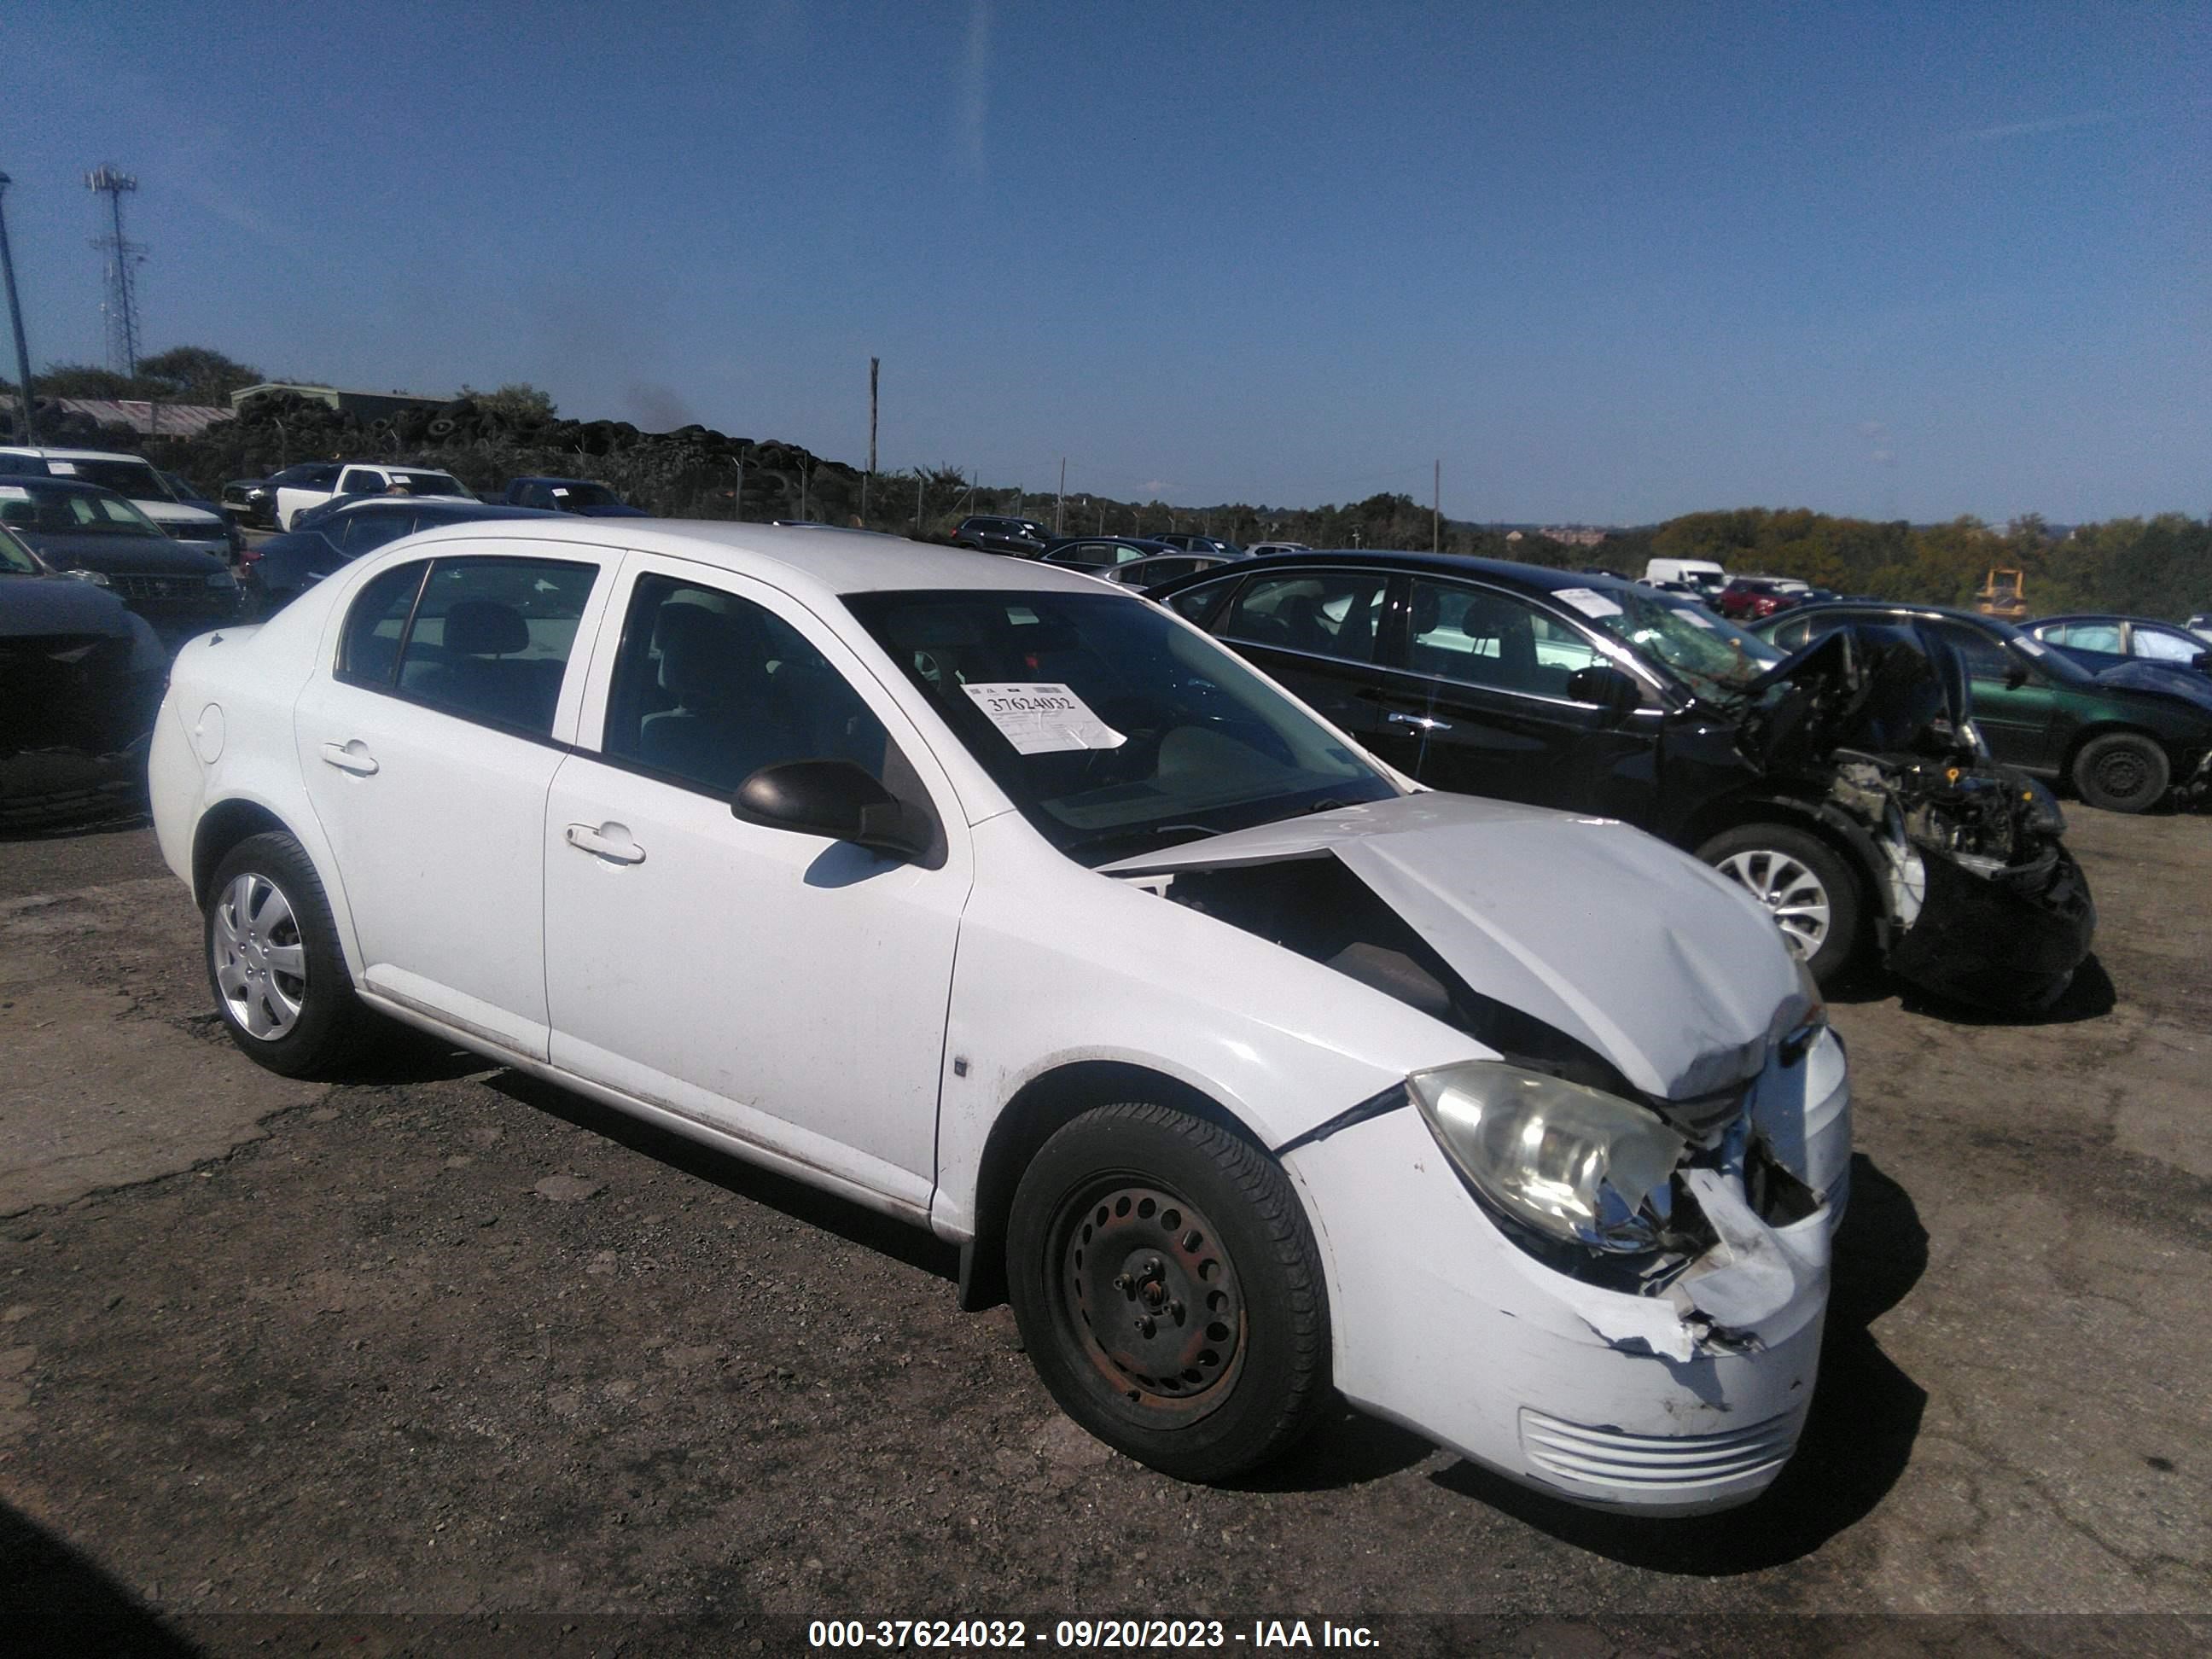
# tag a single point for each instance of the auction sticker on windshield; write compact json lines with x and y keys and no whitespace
{"x":1042,"y":717}
{"x":1588,"y":600}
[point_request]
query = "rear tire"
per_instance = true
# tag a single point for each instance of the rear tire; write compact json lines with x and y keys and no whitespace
{"x":2121,"y":771}
{"x":274,"y":962}
{"x":1170,"y":1292}
{"x":1815,"y":897}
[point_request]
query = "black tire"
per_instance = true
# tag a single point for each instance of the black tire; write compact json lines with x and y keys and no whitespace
{"x":2121,"y":771}
{"x":331,"y":1026}
{"x":1818,"y":900}
{"x":1195,"y":1237}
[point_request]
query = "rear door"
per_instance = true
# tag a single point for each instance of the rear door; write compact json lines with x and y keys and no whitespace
{"x":1481,"y":705}
{"x":1319,"y":630}
{"x":428,"y":740}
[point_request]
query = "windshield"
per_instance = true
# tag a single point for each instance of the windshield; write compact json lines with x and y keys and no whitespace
{"x":429,"y":483}
{"x":585,"y":495}
{"x":137,"y":479}
{"x":1113,"y":727}
{"x":15,"y":559}
{"x":55,"y":509}
{"x":1715,"y":658}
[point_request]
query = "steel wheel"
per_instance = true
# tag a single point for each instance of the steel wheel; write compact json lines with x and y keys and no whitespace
{"x":1151,"y":1299}
{"x":1797,"y":896}
{"x":257,"y":957}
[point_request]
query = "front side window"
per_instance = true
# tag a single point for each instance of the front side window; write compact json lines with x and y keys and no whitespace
{"x":1194,"y":605}
{"x":1482,"y":637}
{"x":360,"y":481}
{"x":1985,"y":659}
{"x":1114,"y":730}
{"x":708,"y":688}
{"x":135,"y":479}
{"x":486,"y":638}
{"x":64,"y":512}
{"x":1329,"y":613}
{"x":2088,"y":636}
{"x":364,"y":532}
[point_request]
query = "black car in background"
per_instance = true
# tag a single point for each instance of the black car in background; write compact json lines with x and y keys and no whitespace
{"x":284,"y":567}
{"x":81,"y":676}
{"x":253,"y":501}
{"x":99,"y":536}
{"x":1025,"y":538}
{"x":1184,"y":541}
{"x":1099,"y":554}
{"x":580,"y":495}
{"x":2121,"y":743}
{"x":1841,"y":787}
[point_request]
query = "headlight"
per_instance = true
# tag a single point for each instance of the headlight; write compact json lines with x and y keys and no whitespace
{"x":1571,"y":1162}
{"x":222,"y":579}
{"x":92,"y":576}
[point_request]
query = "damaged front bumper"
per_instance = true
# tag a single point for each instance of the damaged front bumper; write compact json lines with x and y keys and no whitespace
{"x":46,"y":787}
{"x":2005,"y":937}
{"x":1684,"y":1396}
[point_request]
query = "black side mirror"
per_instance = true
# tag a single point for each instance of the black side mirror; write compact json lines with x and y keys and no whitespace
{"x":1614,"y":692}
{"x":831,"y":798}
{"x":2202,"y":662}
{"x":2015,"y":676}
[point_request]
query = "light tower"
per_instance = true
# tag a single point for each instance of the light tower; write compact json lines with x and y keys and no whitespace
{"x":120,"y":304}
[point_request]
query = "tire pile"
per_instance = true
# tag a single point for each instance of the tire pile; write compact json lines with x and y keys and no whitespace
{"x":686,"y":473}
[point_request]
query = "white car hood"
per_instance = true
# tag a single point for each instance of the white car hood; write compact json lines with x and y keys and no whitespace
{"x":176,"y":512}
{"x":1638,"y":950}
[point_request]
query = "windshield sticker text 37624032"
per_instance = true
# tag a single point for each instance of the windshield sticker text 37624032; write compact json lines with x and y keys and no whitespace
{"x":1042,"y":717}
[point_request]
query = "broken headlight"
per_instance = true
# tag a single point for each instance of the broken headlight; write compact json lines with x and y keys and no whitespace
{"x":1572,"y":1162}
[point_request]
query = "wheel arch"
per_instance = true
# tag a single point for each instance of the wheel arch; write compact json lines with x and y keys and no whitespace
{"x":1822,"y":818}
{"x":1038,"y":1109}
{"x":221,"y":828}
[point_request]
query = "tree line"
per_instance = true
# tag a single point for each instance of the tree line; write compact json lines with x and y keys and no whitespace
{"x":2154,"y":566}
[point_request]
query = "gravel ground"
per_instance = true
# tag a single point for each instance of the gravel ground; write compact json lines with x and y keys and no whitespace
{"x":443,"y":1359}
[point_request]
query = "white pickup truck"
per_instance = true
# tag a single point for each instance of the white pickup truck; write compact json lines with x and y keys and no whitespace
{"x":365,"y":478}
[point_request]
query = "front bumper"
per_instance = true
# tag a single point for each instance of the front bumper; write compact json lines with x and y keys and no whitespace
{"x":2005,"y":941}
{"x":42,"y":789}
{"x":1603,"y":1398}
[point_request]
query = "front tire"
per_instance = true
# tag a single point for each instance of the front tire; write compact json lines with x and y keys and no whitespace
{"x":2121,"y":771}
{"x":1170,"y":1292}
{"x":1812,"y":893}
{"x":274,"y":961}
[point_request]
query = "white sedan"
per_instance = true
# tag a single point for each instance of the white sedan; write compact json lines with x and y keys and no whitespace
{"x":1002,"y":901}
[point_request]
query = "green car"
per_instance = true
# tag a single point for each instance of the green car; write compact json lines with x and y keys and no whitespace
{"x":2121,"y":747}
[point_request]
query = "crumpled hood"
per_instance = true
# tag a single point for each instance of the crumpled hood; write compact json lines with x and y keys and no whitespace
{"x":2161,"y":679}
{"x":1668,"y":968}
{"x":1890,"y":688}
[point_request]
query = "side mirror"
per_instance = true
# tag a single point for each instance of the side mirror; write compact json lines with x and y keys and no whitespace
{"x":2202,"y":662}
{"x":2015,"y":676}
{"x":1615,"y":694}
{"x":831,"y":798}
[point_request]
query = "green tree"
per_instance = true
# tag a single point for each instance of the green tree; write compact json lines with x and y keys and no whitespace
{"x":195,"y":375}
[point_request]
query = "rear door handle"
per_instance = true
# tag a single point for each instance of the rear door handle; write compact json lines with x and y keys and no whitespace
{"x":609,"y":841}
{"x":352,"y":756}
{"x":1427,"y":722}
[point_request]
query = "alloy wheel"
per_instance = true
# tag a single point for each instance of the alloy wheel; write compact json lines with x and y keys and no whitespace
{"x":1791,"y":891}
{"x":260,"y":961}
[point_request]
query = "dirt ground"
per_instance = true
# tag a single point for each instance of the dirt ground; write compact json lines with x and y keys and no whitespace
{"x":443,"y":1358}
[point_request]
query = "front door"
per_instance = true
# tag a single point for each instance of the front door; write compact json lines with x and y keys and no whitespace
{"x":783,"y":988}
{"x":2012,"y":699}
{"x":425,"y":741}
{"x":1482,"y":706}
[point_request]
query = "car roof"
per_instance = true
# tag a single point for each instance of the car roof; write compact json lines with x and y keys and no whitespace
{"x":1533,"y":578}
{"x":826,"y":561}
{"x":2106,"y":617}
{"x":28,"y":480}
{"x":47,"y":455}
{"x":1913,"y":607}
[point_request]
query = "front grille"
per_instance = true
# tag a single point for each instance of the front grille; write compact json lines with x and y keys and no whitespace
{"x":1654,"y":1462}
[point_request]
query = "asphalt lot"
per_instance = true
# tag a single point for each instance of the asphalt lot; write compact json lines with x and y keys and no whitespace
{"x":445,"y":1341}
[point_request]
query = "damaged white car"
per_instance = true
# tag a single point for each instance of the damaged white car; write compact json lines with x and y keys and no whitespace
{"x":1006,"y":903}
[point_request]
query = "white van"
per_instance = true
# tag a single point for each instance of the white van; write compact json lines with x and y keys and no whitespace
{"x":1701,"y":575}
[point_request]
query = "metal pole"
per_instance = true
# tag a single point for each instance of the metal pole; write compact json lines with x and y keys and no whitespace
{"x":921,"y":480}
{"x":16,"y":318}
{"x":1060,"y":502}
{"x":1437,"y":511}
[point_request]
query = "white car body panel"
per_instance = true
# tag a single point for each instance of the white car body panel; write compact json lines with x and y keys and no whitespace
{"x":292,"y":500}
{"x":865,"y":1024}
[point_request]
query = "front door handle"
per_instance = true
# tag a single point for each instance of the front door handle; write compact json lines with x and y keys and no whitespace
{"x":1427,"y":722}
{"x":609,"y":841}
{"x":351,"y":756}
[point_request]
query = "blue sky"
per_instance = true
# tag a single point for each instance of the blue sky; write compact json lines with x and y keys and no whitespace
{"x":1608,"y":263}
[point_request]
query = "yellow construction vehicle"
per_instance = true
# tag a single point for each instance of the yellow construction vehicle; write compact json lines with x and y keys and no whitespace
{"x":2004,"y":595}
